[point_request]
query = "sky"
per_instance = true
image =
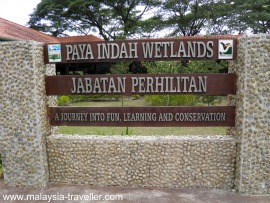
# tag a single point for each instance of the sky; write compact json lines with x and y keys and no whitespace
{"x":17,"y":11}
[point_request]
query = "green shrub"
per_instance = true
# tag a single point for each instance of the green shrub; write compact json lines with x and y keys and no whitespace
{"x":83,"y":98}
{"x":158,"y":67}
{"x":210,"y":100}
{"x":63,"y":100}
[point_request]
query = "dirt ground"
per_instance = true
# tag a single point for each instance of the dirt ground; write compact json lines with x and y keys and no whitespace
{"x":78,"y":193}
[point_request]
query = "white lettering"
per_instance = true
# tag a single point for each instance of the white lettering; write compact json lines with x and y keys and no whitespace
{"x":209,"y":47}
{"x":82,"y":48}
{"x":201,"y":49}
{"x":148,"y":48}
{"x":114,"y":50}
{"x":89,"y":52}
{"x":133,"y":50}
{"x":157,"y":50}
{"x":69,"y":51}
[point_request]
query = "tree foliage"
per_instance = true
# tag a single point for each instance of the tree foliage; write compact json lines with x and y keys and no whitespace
{"x":112,"y":19}
{"x":185,"y":17}
{"x":250,"y":15}
{"x":119,"y":19}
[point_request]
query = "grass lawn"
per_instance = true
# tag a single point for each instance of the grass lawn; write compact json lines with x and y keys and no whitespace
{"x":92,"y":130}
{"x":143,"y":130}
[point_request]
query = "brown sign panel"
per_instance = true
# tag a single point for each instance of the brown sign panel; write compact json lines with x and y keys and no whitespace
{"x":142,"y":50}
{"x":206,"y":84}
{"x":142,"y":116}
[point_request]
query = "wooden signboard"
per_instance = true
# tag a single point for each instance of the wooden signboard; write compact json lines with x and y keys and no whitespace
{"x":169,"y":49}
{"x":143,"y":116}
{"x":204,"y":84}
{"x":181,"y":49}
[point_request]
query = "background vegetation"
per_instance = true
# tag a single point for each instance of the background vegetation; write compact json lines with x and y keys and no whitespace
{"x":121,"y":19}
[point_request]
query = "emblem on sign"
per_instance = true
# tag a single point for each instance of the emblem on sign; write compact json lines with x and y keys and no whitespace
{"x":225,"y":49}
{"x":54,"y":53}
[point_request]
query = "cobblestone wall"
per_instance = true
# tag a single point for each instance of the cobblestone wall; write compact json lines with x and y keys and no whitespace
{"x":23,"y":120}
{"x":145,"y":161}
{"x":252,"y":114}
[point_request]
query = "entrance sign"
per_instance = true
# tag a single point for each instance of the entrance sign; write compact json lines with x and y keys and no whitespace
{"x":181,"y":49}
{"x":146,"y":50}
{"x":142,"y":116}
{"x":126,"y":84}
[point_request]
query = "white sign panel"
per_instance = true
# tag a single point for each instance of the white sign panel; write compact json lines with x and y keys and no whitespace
{"x":225,"y":49}
{"x":54,"y":53}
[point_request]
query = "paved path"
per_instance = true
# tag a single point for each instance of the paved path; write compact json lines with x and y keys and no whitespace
{"x":129,"y":194}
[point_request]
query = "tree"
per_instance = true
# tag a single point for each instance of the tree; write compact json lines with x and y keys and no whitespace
{"x":48,"y":17}
{"x":185,"y":17}
{"x":218,"y":17}
{"x":239,"y":16}
{"x":250,"y":15}
{"x":119,"y":19}
{"x":112,"y":19}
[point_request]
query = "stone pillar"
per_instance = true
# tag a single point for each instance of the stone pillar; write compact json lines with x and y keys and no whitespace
{"x":51,"y":100}
{"x":23,"y":113}
{"x":252,"y":114}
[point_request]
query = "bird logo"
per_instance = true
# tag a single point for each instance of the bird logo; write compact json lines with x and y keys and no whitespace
{"x":225,"y":49}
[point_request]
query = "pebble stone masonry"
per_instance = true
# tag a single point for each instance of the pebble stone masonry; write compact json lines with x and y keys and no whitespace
{"x":252,"y":102}
{"x":145,"y":161}
{"x":34,"y":156}
{"x":23,"y":120}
